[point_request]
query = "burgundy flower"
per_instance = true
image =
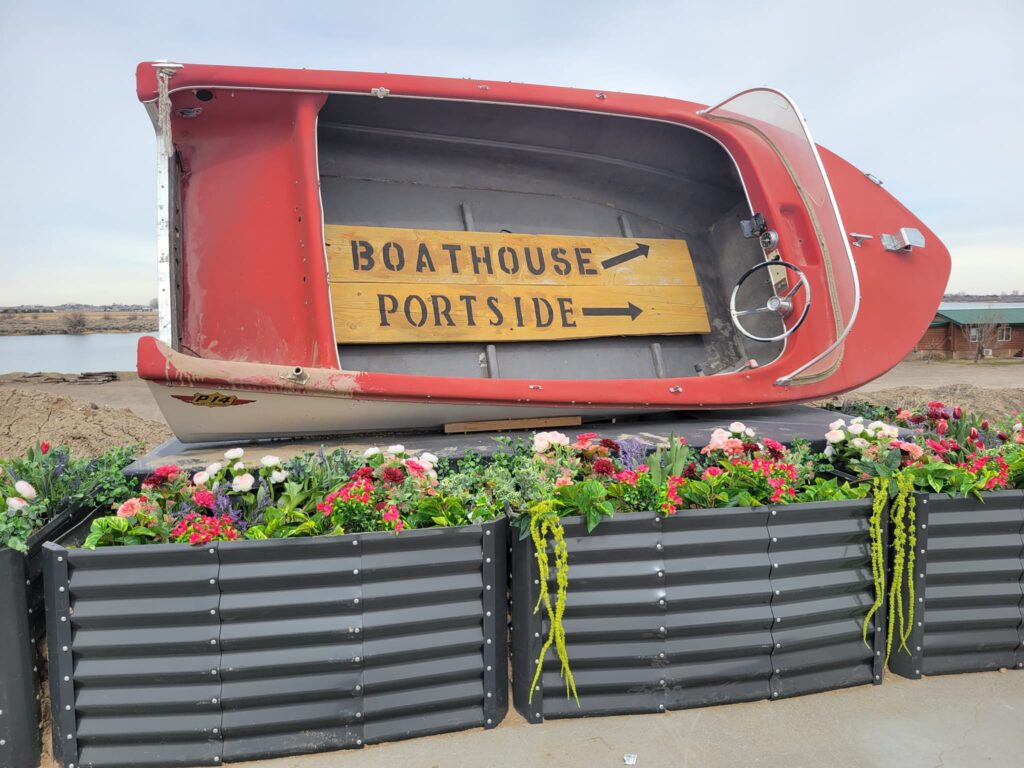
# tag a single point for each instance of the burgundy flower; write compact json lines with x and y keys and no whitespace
{"x":958,"y":412}
{"x":1002,"y":436}
{"x":603,"y":467}
{"x":392,"y":475}
{"x":984,"y":424}
{"x":610,"y":444}
{"x":167,"y":471}
{"x":691,"y":470}
{"x":918,"y":418}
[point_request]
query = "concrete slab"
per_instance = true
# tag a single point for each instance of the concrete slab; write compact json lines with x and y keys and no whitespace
{"x":956,"y":721}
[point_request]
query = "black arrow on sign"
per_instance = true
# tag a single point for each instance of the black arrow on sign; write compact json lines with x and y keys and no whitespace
{"x":642,"y":249}
{"x":633,"y":311}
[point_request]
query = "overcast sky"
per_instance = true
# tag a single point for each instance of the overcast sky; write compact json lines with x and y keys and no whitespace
{"x":925,"y":95}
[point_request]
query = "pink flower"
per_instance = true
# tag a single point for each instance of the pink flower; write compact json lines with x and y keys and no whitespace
{"x":642,"y":468}
{"x":626,"y":476}
{"x":711,"y":472}
{"x":733,"y":446}
{"x":562,"y":480}
{"x":415,"y":468}
{"x":204,"y":499}
{"x":131,"y":508}
{"x":14,"y":503}
{"x":25,"y":489}
{"x":390,"y":514}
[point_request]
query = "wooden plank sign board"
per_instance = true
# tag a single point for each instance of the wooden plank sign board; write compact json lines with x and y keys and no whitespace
{"x":393,"y":285}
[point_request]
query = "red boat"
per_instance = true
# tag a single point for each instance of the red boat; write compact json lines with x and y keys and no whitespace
{"x":344,"y":252}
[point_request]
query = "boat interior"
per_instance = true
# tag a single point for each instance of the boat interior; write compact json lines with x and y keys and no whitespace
{"x":450,"y":165}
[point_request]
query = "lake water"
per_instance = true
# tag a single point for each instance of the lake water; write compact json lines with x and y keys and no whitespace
{"x":69,"y":354}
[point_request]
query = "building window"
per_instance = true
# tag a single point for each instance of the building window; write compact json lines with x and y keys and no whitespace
{"x":1004,"y":333}
{"x":975,"y":334}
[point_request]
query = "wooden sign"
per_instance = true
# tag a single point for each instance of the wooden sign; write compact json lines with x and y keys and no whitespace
{"x":409,"y":285}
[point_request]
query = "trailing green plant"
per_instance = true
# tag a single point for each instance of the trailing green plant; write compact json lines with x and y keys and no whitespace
{"x":545,"y":524}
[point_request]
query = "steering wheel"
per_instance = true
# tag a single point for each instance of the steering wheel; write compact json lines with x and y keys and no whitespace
{"x":779,"y":305}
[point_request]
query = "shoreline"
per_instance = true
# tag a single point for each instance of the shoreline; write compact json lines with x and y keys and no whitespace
{"x":92,"y":322}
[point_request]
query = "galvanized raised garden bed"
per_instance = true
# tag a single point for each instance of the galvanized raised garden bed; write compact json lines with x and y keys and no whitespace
{"x":21,"y":627}
{"x":969,"y":586}
{"x":704,"y":607}
{"x":179,"y":655}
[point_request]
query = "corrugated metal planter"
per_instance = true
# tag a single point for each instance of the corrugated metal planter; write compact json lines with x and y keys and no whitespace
{"x":21,"y":627}
{"x":969,"y":586}
{"x":178,"y":655}
{"x":705,"y":607}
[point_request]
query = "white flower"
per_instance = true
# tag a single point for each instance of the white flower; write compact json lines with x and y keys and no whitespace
{"x":25,"y":489}
{"x":243,"y":483}
{"x":890,"y":431}
{"x":270,"y":461}
{"x":541,"y":442}
{"x":214,"y":468}
{"x":748,"y":432}
{"x":397,"y":448}
{"x":238,"y":466}
{"x":1018,"y":427}
{"x":837,"y":424}
{"x":857,"y":420}
{"x":201,"y":478}
{"x":855,"y":428}
{"x":860,"y":442}
{"x":737,"y":427}
{"x":234,"y":453}
{"x":371,"y":452}
{"x":829,"y":450}
{"x":278,"y":476}
{"x":835,"y":436}
{"x":557,"y":438}
{"x":427,"y":458}
{"x":876,"y":425}
{"x":870,"y":434}
{"x":14,"y":503}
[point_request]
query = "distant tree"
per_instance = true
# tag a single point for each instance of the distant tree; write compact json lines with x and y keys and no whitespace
{"x":75,"y":322}
{"x":983,"y":334}
{"x":154,"y":303}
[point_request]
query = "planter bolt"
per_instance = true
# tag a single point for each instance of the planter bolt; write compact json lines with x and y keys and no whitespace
{"x":213,"y":671}
{"x":213,"y":611}
{"x":661,"y":629}
{"x":488,"y":694}
{"x":213,"y":581}
{"x":489,"y":667}
{"x":922,"y":551}
{"x":775,"y":565}
{"x":487,"y":559}
{"x":216,"y":730}
{"x":536,"y":634}
{"x":359,"y":715}
{"x":61,"y":589}
{"x":537,"y":715}
{"x":356,"y":601}
{"x":661,"y":602}
{"x":925,"y":525}
{"x":355,"y":572}
{"x":488,"y":641}
{"x":778,"y":645}
{"x":659,"y":547}
{"x":357,"y":659}
{"x":878,"y":677}
{"x":775,"y":512}
{"x":778,"y":671}
{"x":661,"y":655}
{"x":661,"y":682}
{"x":775,"y":539}
{"x":63,"y":648}
{"x":488,"y":613}
{"x":357,"y":630}
{"x":488,"y":587}
{"x":488,"y":719}
{"x":67,"y":679}
{"x":69,"y":737}
{"x":919,"y":647}
{"x":213,"y":642}
{"x":359,"y":687}
{"x":878,"y":653}
{"x":661,"y":574}
{"x":917,"y":671}
{"x":661,"y":707}
{"x":211,"y":551}
{"x":775,"y":694}
{"x":355,"y":543}
{"x":487,"y":532}
{"x":920,"y":623}
{"x":359,"y":742}
{"x":60,"y":559}
{"x":536,"y":581}
{"x":213,"y":701}
{"x":920,"y":599}
{"x":778,"y":592}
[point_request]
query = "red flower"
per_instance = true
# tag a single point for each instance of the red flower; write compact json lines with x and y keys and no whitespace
{"x":1002,"y":436}
{"x":167,"y":472}
{"x":603,"y":467}
{"x":362,"y":472}
{"x":936,"y":404}
{"x":586,"y":436}
{"x":204,"y":499}
{"x":957,"y":412}
{"x":610,"y":444}
{"x":44,"y":447}
{"x":392,"y":475}
{"x":974,"y":433}
{"x":942,"y":427}
{"x":984,"y":424}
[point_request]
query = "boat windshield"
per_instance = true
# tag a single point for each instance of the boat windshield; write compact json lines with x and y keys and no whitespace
{"x":776,"y":119}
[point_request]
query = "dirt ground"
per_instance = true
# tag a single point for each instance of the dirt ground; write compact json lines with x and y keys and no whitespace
{"x":91,"y":418}
{"x":34,"y":324}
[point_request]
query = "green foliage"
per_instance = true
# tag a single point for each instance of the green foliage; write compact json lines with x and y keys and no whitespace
{"x":671,"y":462}
{"x":588,"y":499}
{"x":831,"y":489}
